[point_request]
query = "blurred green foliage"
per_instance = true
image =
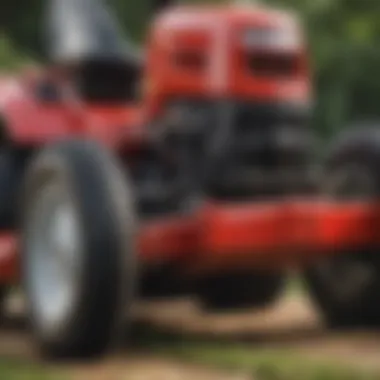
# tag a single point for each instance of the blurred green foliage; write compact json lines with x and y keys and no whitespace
{"x":10,"y":57}
{"x":344,"y":40}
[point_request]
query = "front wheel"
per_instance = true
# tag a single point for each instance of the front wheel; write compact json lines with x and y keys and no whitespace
{"x":78,"y":249}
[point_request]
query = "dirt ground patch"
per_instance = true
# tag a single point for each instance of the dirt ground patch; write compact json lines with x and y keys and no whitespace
{"x":291,"y":326}
{"x":150,"y":368}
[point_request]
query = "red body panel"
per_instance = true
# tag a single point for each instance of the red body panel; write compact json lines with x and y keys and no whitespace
{"x":30,"y":121}
{"x":277,"y":235}
{"x":273,"y":235}
{"x":215,"y":33}
{"x":9,"y":260}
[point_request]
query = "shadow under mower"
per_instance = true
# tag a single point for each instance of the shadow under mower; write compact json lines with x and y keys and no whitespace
{"x":202,"y":183}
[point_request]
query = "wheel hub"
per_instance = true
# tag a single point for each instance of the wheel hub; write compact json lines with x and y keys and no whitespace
{"x":54,"y":249}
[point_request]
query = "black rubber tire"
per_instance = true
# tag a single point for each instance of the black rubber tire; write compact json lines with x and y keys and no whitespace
{"x":12,"y":164}
{"x":99,"y":192}
{"x":240,"y":291}
{"x":346,"y":288}
{"x":3,"y":295}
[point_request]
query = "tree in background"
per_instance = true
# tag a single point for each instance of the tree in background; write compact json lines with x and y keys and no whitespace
{"x":344,"y":40}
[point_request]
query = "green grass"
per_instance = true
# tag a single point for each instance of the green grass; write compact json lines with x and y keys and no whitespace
{"x":264,"y":364}
{"x":260,"y":363}
{"x":17,"y":370}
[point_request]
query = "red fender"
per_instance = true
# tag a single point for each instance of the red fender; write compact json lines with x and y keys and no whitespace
{"x":31,"y":122}
{"x":26,"y":121}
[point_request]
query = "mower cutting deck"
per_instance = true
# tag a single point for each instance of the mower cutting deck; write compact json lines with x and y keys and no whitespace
{"x":272,"y":234}
{"x":268,"y":235}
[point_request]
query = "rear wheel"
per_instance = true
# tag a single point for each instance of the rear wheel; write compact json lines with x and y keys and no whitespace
{"x":3,"y":295}
{"x":78,"y":250}
{"x":241,"y":290}
{"x":347,"y":286}
{"x":12,"y":164}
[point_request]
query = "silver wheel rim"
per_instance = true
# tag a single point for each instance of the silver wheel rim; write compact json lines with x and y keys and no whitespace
{"x":53,"y":249}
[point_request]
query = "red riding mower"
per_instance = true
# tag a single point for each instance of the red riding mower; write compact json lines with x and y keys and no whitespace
{"x":203,"y":182}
